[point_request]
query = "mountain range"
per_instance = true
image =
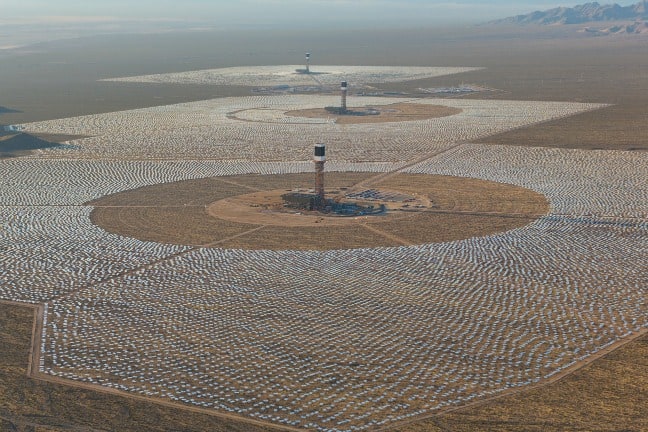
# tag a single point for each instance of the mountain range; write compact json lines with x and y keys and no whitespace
{"x":585,"y":13}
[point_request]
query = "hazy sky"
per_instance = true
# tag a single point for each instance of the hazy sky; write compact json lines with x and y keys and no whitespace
{"x":273,"y":13}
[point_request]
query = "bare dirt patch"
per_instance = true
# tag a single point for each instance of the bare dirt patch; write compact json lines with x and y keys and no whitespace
{"x":385,"y":113}
{"x":179,"y":213}
{"x":557,"y":68}
{"x":268,"y":208}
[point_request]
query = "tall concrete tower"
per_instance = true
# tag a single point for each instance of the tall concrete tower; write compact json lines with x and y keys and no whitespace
{"x":343,"y":89}
{"x":307,"y":62}
{"x":319,"y":159}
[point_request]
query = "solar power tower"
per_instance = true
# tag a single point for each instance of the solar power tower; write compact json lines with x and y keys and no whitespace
{"x":320,"y":159}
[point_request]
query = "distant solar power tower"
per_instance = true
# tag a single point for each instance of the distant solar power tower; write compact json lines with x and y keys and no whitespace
{"x":308,"y":55}
{"x":343,"y":104}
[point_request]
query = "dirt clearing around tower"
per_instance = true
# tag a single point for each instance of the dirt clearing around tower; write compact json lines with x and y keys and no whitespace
{"x":178,"y":213}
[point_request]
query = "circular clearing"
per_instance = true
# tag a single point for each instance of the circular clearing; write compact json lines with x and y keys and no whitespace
{"x":397,"y":112}
{"x":241,"y":212}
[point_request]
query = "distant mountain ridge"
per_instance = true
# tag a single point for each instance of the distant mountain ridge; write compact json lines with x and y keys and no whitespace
{"x":585,"y":13}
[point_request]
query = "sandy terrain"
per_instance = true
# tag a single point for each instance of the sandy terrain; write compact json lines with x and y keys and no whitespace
{"x":390,"y":113}
{"x":455,"y":208}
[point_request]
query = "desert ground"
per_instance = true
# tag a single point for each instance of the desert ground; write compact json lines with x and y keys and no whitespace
{"x":459,"y":209}
{"x":530,"y":295}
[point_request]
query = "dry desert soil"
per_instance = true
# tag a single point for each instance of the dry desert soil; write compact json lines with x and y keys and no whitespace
{"x":179,"y":213}
{"x":385,"y":114}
